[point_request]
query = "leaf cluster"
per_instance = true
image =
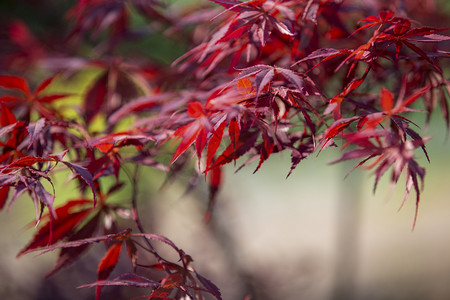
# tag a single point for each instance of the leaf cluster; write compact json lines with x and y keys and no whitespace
{"x":261,"y":77}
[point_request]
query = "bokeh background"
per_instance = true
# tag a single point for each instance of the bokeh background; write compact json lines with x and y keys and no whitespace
{"x":313,"y":236}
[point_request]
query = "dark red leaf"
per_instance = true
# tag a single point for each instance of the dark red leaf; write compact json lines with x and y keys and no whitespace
{"x":107,"y":265}
{"x":443,"y":101}
{"x":233,"y":153}
{"x":58,"y":228}
{"x":327,"y":53}
{"x":27,"y":161}
{"x":138,"y":105}
{"x":34,"y":129}
{"x":84,"y":174}
{"x":126,"y":279}
{"x":262,"y":79}
{"x":4,"y":192}
{"x":215,"y":181}
{"x":265,"y":152}
{"x":234,"y":132}
{"x":69,"y":255}
{"x":132,"y":252}
{"x":117,"y":237}
{"x":95,"y":97}
{"x":169,"y":283}
{"x":422,"y":54}
{"x":235,"y":30}
{"x":44,"y":197}
{"x":211,"y":287}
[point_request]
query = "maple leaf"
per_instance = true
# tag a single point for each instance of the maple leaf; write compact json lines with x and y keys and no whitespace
{"x":68,"y":256}
{"x":25,"y":51}
{"x":67,"y":217}
{"x":195,"y":131}
{"x":169,"y":283}
{"x":235,"y":96}
{"x":35,"y":100}
{"x":398,"y":156}
{"x":401,"y":34}
{"x":384,"y":17}
{"x":107,"y":264}
{"x":4,"y":193}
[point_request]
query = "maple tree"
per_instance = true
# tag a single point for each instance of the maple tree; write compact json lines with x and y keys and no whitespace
{"x":258,"y":77}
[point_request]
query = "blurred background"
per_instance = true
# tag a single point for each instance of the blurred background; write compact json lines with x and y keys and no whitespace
{"x":313,"y":236}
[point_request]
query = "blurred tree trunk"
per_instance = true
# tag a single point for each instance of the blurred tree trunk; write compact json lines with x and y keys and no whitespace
{"x":347,"y":235}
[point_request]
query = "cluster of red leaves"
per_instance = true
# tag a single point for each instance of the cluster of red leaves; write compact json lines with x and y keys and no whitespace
{"x":256,"y":82}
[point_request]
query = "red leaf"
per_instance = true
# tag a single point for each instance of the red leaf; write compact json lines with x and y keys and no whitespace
{"x":235,"y":31}
{"x":387,"y":100}
{"x":167,"y":285}
{"x":195,"y":109}
{"x":338,"y":126}
{"x":189,"y":133}
{"x":232,"y":153}
{"x":234,"y":132}
{"x":7,"y":117}
{"x":4,"y":192}
{"x":95,"y":97}
{"x":105,"y":148}
{"x":14,"y":82}
{"x":107,"y":265}
{"x":422,"y":54}
{"x":117,"y":237}
{"x":214,"y":143}
{"x":137,"y":105}
{"x":200,"y":142}
{"x":383,"y":17}
{"x":265,"y":152}
{"x":327,"y":53}
{"x":69,"y":255}
{"x":44,"y":84}
{"x":172,"y":280}
{"x":52,"y":98}
{"x":215,"y":181}
{"x":215,"y":178}
{"x":411,"y":99}
{"x":59,"y":228}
